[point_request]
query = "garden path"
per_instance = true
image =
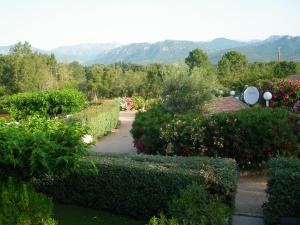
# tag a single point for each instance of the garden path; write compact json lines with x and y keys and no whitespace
{"x":249,"y":199}
{"x":119,"y":141}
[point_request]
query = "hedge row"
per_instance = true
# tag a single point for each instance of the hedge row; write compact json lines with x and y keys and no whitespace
{"x":250,"y":136}
{"x":101,"y":118}
{"x":44,"y":103}
{"x":283,"y":190}
{"x":142,"y":186}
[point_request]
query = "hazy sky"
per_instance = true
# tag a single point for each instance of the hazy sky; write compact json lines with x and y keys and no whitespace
{"x":51,"y":23}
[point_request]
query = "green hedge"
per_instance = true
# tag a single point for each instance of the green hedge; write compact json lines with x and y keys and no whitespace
{"x":139,"y":185}
{"x":101,"y":118}
{"x":250,"y":136}
{"x":283,"y":190}
{"x":44,"y":103}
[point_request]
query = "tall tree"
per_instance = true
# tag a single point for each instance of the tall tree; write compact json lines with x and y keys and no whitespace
{"x":197,"y":58}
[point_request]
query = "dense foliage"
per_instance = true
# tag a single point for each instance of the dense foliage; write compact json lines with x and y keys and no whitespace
{"x":140,"y":185}
{"x":285,"y":93}
{"x":101,"y":118}
{"x":283,"y":190}
{"x":44,"y":103}
{"x":21,"y":205}
{"x":40,"y":146}
{"x":182,"y":93}
{"x":250,"y":136}
{"x":138,"y":102}
{"x":146,"y":129}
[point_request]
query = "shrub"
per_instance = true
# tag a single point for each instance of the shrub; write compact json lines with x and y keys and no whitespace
{"x":151,"y":103}
{"x":184,"y":93}
{"x":163,"y":220}
{"x":100,"y":119}
{"x":250,"y":136}
{"x":285,"y":93}
{"x":146,"y":130}
{"x":40,"y":146}
{"x":44,"y":103}
{"x":138,"y":102}
{"x":139,"y":185}
{"x":125,"y":103}
{"x":283,"y":190}
{"x":195,"y":206}
{"x":21,"y":205}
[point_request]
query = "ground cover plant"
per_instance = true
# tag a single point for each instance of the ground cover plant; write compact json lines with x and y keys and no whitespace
{"x":141,"y":186}
{"x":21,"y":205}
{"x":283,"y":190}
{"x":101,"y":118}
{"x":46,"y":103}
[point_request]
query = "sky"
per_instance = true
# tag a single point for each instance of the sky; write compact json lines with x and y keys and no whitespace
{"x":51,"y":23}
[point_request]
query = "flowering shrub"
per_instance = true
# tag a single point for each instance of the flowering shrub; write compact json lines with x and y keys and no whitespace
{"x":125,"y":103}
{"x":250,"y":136}
{"x":146,"y":130}
{"x":284,"y":92}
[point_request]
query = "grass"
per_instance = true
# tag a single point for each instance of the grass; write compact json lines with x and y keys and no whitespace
{"x":74,"y":215}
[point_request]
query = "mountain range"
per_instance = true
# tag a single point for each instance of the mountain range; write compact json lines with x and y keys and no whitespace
{"x":175,"y":51}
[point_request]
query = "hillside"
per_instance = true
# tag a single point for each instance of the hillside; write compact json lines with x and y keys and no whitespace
{"x":175,"y":51}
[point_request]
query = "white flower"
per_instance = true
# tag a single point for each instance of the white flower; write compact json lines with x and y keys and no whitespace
{"x":68,"y":116}
{"x":87,"y":138}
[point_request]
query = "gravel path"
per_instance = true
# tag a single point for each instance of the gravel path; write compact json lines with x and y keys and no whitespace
{"x":120,"y":141}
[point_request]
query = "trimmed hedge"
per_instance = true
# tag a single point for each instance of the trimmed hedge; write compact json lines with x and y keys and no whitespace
{"x":44,"y":103}
{"x":283,"y":190}
{"x":101,"y":118}
{"x":139,"y":185}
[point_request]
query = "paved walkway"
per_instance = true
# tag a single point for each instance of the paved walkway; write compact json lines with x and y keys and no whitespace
{"x":249,"y":199}
{"x":120,"y":141}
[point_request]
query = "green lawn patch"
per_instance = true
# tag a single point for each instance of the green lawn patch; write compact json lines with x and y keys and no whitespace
{"x":74,"y":215}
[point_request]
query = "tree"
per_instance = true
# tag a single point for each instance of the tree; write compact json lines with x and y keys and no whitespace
{"x":232,"y":66}
{"x":197,"y":58}
{"x":188,"y":92}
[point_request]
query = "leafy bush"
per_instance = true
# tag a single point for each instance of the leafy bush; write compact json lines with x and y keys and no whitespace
{"x":184,"y":93}
{"x":125,"y":103}
{"x":138,"y":102}
{"x":163,"y":220}
{"x":250,"y":136}
{"x":100,"y":119}
{"x":283,"y":190}
{"x":40,"y":146}
{"x":146,"y":130}
{"x":195,"y":206}
{"x":139,"y":185}
{"x":285,"y":93}
{"x":21,"y":205}
{"x":151,"y":103}
{"x":45,"y":103}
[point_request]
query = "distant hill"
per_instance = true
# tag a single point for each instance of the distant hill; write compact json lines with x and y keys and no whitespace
{"x":175,"y":51}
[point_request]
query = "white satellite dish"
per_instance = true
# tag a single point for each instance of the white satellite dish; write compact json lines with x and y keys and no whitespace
{"x":251,"y":95}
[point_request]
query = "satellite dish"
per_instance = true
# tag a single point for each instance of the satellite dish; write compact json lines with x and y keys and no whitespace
{"x":251,"y":95}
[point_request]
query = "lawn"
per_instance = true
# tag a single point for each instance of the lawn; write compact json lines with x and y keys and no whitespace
{"x":74,"y":215}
